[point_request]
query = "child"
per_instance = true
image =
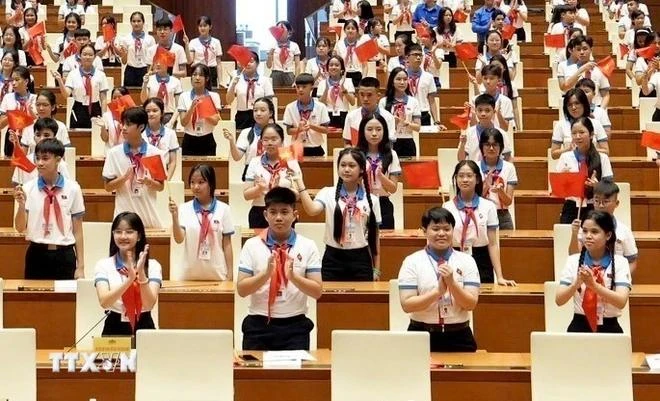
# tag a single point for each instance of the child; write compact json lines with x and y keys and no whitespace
{"x":374,"y":31}
{"x":581,"y":14}
{"x":476,"y":223}
{"x":563,"y":22}
{"x":50,"y":211}
{"x":345,"y":49}
{"x":160,"y":84}
{"x":352,"y":216}
{"x":73,"y":62}
{"x":606,"y":195}
{"x":125,"y":275}
{"x":9,"y":61}
{"x":307,"y":120}
{"x":267,"y":172}
{"x":108,"y":50}
{"x":20,"y":99}
{"x":283,"y":60}
{"x":159,"y":135}
{"x":516,"y":11}
{"x":405,"y":109}
{"x":124,"y":173}
{"x":448,"y":35}
{"x":492,"y":77}
{"x":72,"y":22}
{"x":344,"y":10}
{"x":433,"y":55}
{"x":586,"y":159}
{"x":499,"y":176}
{"x":642,"y":38}
{"x":68,"y":7}
{"x":401,"y":17}
{"x":246,"y":88}
{"x":369,"y":94}
{"x":506,"y":86}
{"x":597,"y":113}
{"x":400,"y":44}
{"x":468,"y":145}
{"x":650,"y":82}
{"x":207,"y":50}
{"x":14,"y":10}
{"x":30,"y":19}
{"x":626,"y":20}
{"x":44,"y":128}
{"x":163,"y":33}
{"x":88,"y":7}
{"x":46,"y":107}
{"x":278,"y":269}
{"x":581,"y":67}
{"x":421,"y":84}
{"x":318,"y":66}
{"x":439,"y":286}
{"x":597,"y":271}
{"x":111,"y":130}
{"x":198,"y":132}
{"x":204,"y":224}
{"x":132,"y":50}
{"x":337,"y":92}
{"x":365,"y":14}
{"x":493,"y":48}
{"x":12,"y":41}
{"x":383,"y":167}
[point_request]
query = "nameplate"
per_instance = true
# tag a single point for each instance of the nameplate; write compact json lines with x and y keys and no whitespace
{"x":112,"y":344}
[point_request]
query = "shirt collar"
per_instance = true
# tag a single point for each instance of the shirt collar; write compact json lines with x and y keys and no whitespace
{"x":59,"y":182}
{"x":197,"y":207}
{"x":255,"y":78}
{"x":161,"y":131}
{"x":445,"y":256}
{"x":257,"y":130}
{"x":498,"y":166}
{"x":265,"y":160}
{"x":270,"y":241}
{"x":412,"y":73}
{"x":579,"y":156}
{"x":604,"y":262}
{"x":305,"y":107}
{"x":192,"y":94}
{"x":142,"y":150}
{"x":460,"y":204}
{"x":140,"y":36}
{"x":403,"y":99}
{"x":359,"y":194}
{"x":84,"y":73}
{"x":165,"y":79}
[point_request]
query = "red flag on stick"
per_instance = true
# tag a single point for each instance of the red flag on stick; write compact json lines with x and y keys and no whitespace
{"x":466,"y":51}
{"x":154,"y":164}
{"x":20,"y":160}
{"x":607,"y":66}
{"x":164,"y":57}
{"x":460,"y":16}
{"x":109,"y":33}
{"x":508,"y":31}
{"x":421,"y":175}
{"x":557,"y":41}
{"x":278,"y":32}
{"x":651,"y":139}
{"x":205,"y":108}
{"x":292,"y":152}
{"x":567,"y":185}
{"x":34,"y":50}
{"x":422,"y":31}
{"x":19,"y":119}
{"x":366,"y":50}
{"x":71,"y":49}
{"x":37,"y":30}
{"x":647,"y":52}
{"x":462,"y":121}
{"x":623,"y":50}
{"x":118,"y":106}
{"x":241,"y":54}
{"x":178,"y":25}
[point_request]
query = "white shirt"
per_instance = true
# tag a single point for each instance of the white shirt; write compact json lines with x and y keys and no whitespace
{"x":198,"y":264}
{"x":263,"y":87}
{"x":73,"y":63}
{"x":568,"y":163}
{"x":626,"y":22}
{"x":290,"y":300}
{"x":132,"y":196}
{"x":518,"y":22}
{"x":20,"y":176}
{"x":313,"y":66}
{"x":202,"y":55}
{"x":179,"y":52}
{"x":289,"y":63}
{"x":394,"y":169}
{"x":351,"y":63}
{"x":167,"y":141}
{"x":27,"y":139}
{"x":70,"y":199}
{"x":100,"y":44}
{"x":115,"y":136}
{"x":10,"y":102}
{"x":567,"y":69}
{"x":419,"y":272}
{"x":622,"y":279}
{"x":318,"y":116}
{"x":601,"y":116}
{"x":486,"y":217}
{"x":250,"y":149}
{"x":561,"y":134}
{"x":425,"y":87}
{"x":257,"y":168}
{"x":394,"y":62}
{"x":625,"y":241}
{"x":411,"y":111}
{"x":354,"y":118}
{"x":65,"y":10}
{"x":202,"y":127}
{"x":106,"y":272}
{"x":173,"y":88}
{"x":472,"y":151}
{"x":381,"y":40}
{"x":405,"y":25}
{"x":335,"y":107}
{"x":506,"y":175}
{"x":137,"y":56}
{"x":76,"y":83}
{"x":355,"y":231}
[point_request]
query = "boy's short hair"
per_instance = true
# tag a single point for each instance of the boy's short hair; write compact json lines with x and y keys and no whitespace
{"x":46,"y":123}
{"x":369,"y":82}
{"x":50,"y":145}
{"x":581,"y":39}
{"x":586,"y":83}
{"x":280,"y":195}
{"x":491,"y":70}
{"x":496,"y":13}
{"x":305,"y":79}
{"x":134,"y":115}
{"x":82,"y":33}
{"x":438,"y":215}
{"x":164,"y":23}
{"x":411,"y":47}
{"x":484,"y":100}
{"x":606,"y":188}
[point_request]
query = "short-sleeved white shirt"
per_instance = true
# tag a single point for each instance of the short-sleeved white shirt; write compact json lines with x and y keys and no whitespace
{"x":352,"y":64}
{"x":202,"y":55}
{"x":381,"y":40}
{"x":100,"y":44}
{"x":27,"y":139}
{"x":254,"y":260}
{"x":289,"y":63}
{"x":419,"y":272}
{"x":137,"y":57}
{"x":568,"y":162}
{"x":115,"y":136}
{"x":167,"y":141}
{"x":397,"y":10}
{"x":318,"y":116}
{"x":202,"y":127}
{"x":70,"y":199}
{"x":263,"y":87}
{"x":354,"y":118}
{"x":20,"y":176}
{"x":106,"y":272}
{"x":313,"y":66}
{"x":472,"y":150}
{"x":626,"y":22}
{"x":411,"y":111}
{"x":506,"y":175}
{"x":173,"y":88}
{"x":504,"y":104}
{"x":625,"y":246}
{"x":394,"y":169}
{"x":622,"y":279}
{"x":76,"y":83}
{"x":257,"y":168}
{"x":425,"y":87}
{"x":195,"y":267}
{"x":561,"y":133}
{"x":602,"y":116}
{"x":394,"y":62}
{"x":486,"y":216}
{"x":250,"y":149}
{"x":340,"y":104}
{"x":65,"y":10}
{"x":326,"y":197}
{"x":179,"y":52}
{"x":73,"y":63}
{"x":10,"y":102}
{"x":428,"y":65}
{"x":566,"y":69}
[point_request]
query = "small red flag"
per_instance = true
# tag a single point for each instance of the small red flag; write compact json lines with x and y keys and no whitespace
{"x":567,"y":185}
{"x":460,"y":16}
{"x":336,"y":29}
{"x":34,"y":50}
{"x":241,"y":54}
{"x":109,"y":33}
{"x":366,"y":50}
{"x":623,"y":50}
{"x":462,"y":121}
{"x":421,"y":175}
{"x":154,"y":164}
{"x":178,"y":25}
{"x":20,"y":160}
{"x":71,"y":49}
{"x":37,"y":30}
{"x":354,"y":136}
{"x":278,"y":32}
{"x":118,"y":106}
{"x":647,"y":52}
{"x":466,"y":51}
{"x":607,"y":66}
{"x":294,"y":151}
{"x":422,"y":31}
{"x":205,"y":108}
{"x":651,"y":139}
{"x":508,"y":31}
{"x":164,"y":57}
{"x":557,"y":41}
{"x":19,"y":119}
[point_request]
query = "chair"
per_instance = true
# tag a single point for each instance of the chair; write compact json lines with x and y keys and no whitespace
{"x":363,"y":368}
{"x":562,"y":234}
{"x":415,"y":135}
{"x":527,"y":26}
{"x":97,"y":237}
{"x":399,"y":319}
{"x":552,"y":165}
{"x":464,"y":30}
{"x":444,"y":75}
{"x":589,"y":367}
{"x":518,"y":81}
{"x":88,"y":313}
{"x":397,"y":201}
{"x":18,"y":379}
{"x":186,"y":84}
{"x":197,"y":365}
{"x":446,"y":163}
{"x":623,"y":212}
{"x":228,"y":67}
{"x":221,"y":144}
{"x":371,"y":69}
{"x":555,"y":100}
{"x":98,"y":146}
{"x":315,"y":232}
{"x":240,"y":208}
{"x":2,"y":287}
{"x":335,"y":159}
{"x":69,"y":107}
{"x":174,"y":190}
{"x":70,"y":159}
{"x":646,"y":109}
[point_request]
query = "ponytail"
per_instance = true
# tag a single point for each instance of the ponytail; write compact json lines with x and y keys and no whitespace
{"x":338,"y":226}
{"x":372,"y":224}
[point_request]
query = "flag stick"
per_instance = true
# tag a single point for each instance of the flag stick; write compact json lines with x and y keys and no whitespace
{"x":580,"y":208}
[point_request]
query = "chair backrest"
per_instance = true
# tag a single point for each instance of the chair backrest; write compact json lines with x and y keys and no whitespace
{"x":518,"y":81}
{"x":2,"y":288}
{"x":587,"y":367}
{"x":228,"y":68}
{"x":562,"y":234}
{"x":554,"y":94}
{"x":399,"y":319}
{"x":96,"y":236}
{"x":444,"y":75}
{"x":18,"y":378}
{"x":184,"y":364}
{"x":88,"y":313}
{"x":464,"y":30}
{"x":646,"y":110}
{"x":335,"y":157}
{"x":363,"y":368}
{"x":313,"y":231}
{"x":175,"y":190}
{"x":552,"y":165}
{"x":557,"y":318}
{"x":186,"y":84}
{"x":222,"y":145}
{"x":418,"y":149}
{"x":623,"y":212}
{"x":98,"y":146}
{"x":69,"y":107}
{"x":177,"y":250}
{"x":447,"y":163}
{"x":70,"y":159}
{"x":236,"y":168}
{"x":240,"y":208}
{"x":397,"y":201}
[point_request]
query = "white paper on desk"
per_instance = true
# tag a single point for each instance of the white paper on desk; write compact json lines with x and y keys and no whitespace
{"x":65,"y":285}
{"x":275,"y":356}
{"x":428,"y":129}
{"x":287,"y":364}
{"x":653,"y":360}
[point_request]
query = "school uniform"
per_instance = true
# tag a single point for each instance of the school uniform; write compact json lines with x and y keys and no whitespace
{"x":503,"y":173}
{"x":204,"y":258}
{"x":472,"y":151}
{"x":571,"y":162}
{"x":375,"y":163}
{"x":249,"y":142}
{"x":282,"y":325}
{"x":247,"y":91}
{"x":484,"y":59}
{"x":284,"y":63}
{"x":66,"y":9}
{"x":405,"y":26}
{"x":346,"y":50}
{"x":111,"y":58}
{"x":106,"y":273}
{"x":396,"y":61}
{"x":606,"y":313}
{"x":517,"y":22}
{"x":166,"y":88}
{"x":602,"y":116}
{"x":136,"y":57}
{"x":51,"y":254}
{"x":87,"y":104}
{"x":625,"y":246}
{"x":61,"y":44}
{"x":626,"y":23}
{"x":421,"y":85}
{"x":474,"y":238}
{"x":339,"y":5}
{"x":73,"y":63}
{"x":453,"y":39}
{"x":14,"y":101}
{"x":276,"y":175}
{"x":164,"y":139}
{"x":180,"y":58}
{"x":114,"y":128}
{"x":317,"y":114}
{"x":22,"y":57}
{"x":406,"y":108}
{"x":561,"y":133}
{"x":654,"y":82}
{"x":198,"y":133}
{"x":6,"y":85}
{"x":447,"y":323}
{"x":132,"y":196}
{"x":428,"y":64}
{"x":567,"y":69}
{"x":355,"y":116}
{"x":337,"y":105}
{"x":349,"y":259}
{"x":381,"y":40}
{"x":206,"y":51}
{"x":19,"y":177}
{"x":504,"y":104}
{"x":558,"y":28}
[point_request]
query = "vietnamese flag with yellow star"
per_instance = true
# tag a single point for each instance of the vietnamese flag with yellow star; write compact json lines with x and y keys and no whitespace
{"x":118,"y":106}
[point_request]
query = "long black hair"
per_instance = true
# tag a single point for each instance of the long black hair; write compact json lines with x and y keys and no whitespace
{"x":208,"y":174}
{"x":605,"y":221}
{"x":582,"y":98}
{"x":385,"y":145}
{"x":476,"y":170}
{"x":506,"y":76}
{"x":389,"y":92}
{"x":593,"y":157}
{"x":440,"y":29}
{"x":135,"y":223}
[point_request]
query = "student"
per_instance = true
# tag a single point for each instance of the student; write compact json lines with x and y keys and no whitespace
{"x":30,"y":19}
{"x":494,"y":47}
{"x":400,"y":44}
{"x":111,"y":130}
{"x":14,"y":9}
{"x":492,"y":79}
{"x":506,"y":86}
{"x":584,"y":158}
{"x":597,"y":113}
{"x":606,"y":199}
{"x":204,"y":224}
{"x":405,"y":109}
{"x":124,"y":173}
{"x":433,"y":55}
{"x":336,"y":92}
{"x":68,"y":7}
{"x":517,"y":12}
{"x":344,"y":10}
{"x":497,"y":20}
{"x":307,"y":120}
{"x":401,"y":17}
{"x":73,"y":62}
{"x":164,"y":41}
{"x":160,"y":135}
{"x":642,"y":38}
{"x":369,"y":94}
{"x":637,"y":24}
{"x":581,"y":14}
{"x":374,"y":31}
{"x":355,"y":69}
{"x":581,"y":67}
{"x":447,"y":36}
{"x":318,"y":66}
{"x":20,"y":99}
{"x":365,"y":14}
{"x":476,"y":223}
{"x":44,"y":128}
{"x":128,"y":282}
{"x":46,"y":107}
{"x":107,"y":51}
{"x":481,"y":21}
{"x":72,"y":22}
{"x":383,"y":167}
{"x":207,"y":50}
{"x":499,"y":176}
{"x":246,"y":88}
{"x":198,"y":132}
{"x":132,"y":50}
{"x":352,"y":216}
{"x":421,"y":84}
{"x":278,"y":269}
{"x":160,"y":84}
{"x":439,"y":286}
{"x":88,"y":7}
{"x":50,"y":211}
{"x":249,"y":142}
{"x":283,"y":59}
{"x":597,"y":270}
{"x":563,"y":19}
{"x":576,"y":105}
{"x":8,"y":61}
{"x":267,"y":172}
{"x":626,"y":21}
{"x":11,"y":40}
{"x":468,"y":143}
{"x":89,"y":88}
{"x":564,"y":54}
{"x":650,"y":82}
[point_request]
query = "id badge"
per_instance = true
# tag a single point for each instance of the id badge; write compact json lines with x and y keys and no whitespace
{"x":139,"y":59}
{"x":351,"y":231}
{"x":112,"y":58}
{"x":445,"y":304}
{"x":204,"y":251}
{"x":336,"y":113}
{"x":198,"y":128}
{"x":600,"y":311}
{"x":136,"y":189}
{"x":47,"y":229}
{"x":281,"y":294}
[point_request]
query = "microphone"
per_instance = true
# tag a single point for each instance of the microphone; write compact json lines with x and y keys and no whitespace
{"x":105,"y":316}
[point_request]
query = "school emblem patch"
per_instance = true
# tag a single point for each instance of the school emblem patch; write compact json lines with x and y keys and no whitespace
{"x":459,"y":272}
{"x":299,"y":257}
{"x":64,"y":197}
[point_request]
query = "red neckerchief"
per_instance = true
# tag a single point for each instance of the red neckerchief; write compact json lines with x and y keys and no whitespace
{"x":251,"y":85}
{"x":205,"y":230}
{"x":469,"y":216}
{"x":284,"y":53}
{"x":132,"y":299}
{"x":278,"y":277}
{"x":51,"y":199}
{"x":162,"y":88}
{"x":87,"y":82}
{"x":335,"y":90}
{"x":590,"y":299}
{"x":350,"y":211}
{"x":274,"y":171}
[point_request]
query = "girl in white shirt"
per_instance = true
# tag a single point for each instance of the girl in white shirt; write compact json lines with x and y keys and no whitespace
{"x":71,"y":7}
{"x":164,"y":86}
{"x":246,"y":88}
{"x":207,"y":50}
{"x":133,"y":51}
{"x":11,"y":39}
{"x":581,"y":15}
{"x":337,"y":92}
{"x":20,"y":99}
{"x":318,"y":66}
{"x":159,"y":135}
{"x":516,"y":11}
{"x":30,"y":19}
{"x":400,"y":43}
{"x":447,"y":36}
{"x":46,"y":107}
{"x":111,"y":129}
{"x":401,"y":16}
{"x":374,"y":31}
{"x":405,"y":109}
{"x":9,"y":61}
{"x":88,"y":7}
{"x":499,"y":176}
{"x":284,"y":58}
{"x":128,"y":282}
{"x":107,"y":51}
{"x":72,"y":22}
{"x":346,"y":50}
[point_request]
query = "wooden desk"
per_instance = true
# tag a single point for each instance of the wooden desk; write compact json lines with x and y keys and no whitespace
{"x":482,"y":376}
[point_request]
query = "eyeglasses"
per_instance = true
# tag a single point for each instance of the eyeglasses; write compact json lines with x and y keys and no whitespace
{"x":491,"y":145}
{"x":602,"y":202}
{"x":124,"y":232}
{"x":416,"y":55}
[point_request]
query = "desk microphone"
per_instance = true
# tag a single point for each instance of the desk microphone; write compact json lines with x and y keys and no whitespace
{"x":105,"y":316}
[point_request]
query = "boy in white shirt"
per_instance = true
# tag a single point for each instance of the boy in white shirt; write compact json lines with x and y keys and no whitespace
{"x":306,"y":119}
{"x":468,"y":145}
{"x":163,"y":36}
{"x":44,"y":128}
{"x":421,"y":83}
